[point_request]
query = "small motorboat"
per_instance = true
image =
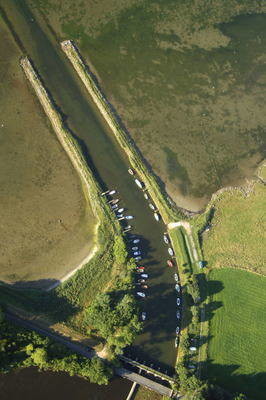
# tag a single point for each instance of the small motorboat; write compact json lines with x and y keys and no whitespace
{"x":129,"y":217}
{"x":144,"y":286}
{"x":140,"y":270}
{"x":166,"y":238}
{"x":143,"y":315}
{"x":141,"y":280}
{"x":170,"y":251}
{"x":134,"y":248}
{"x":170,"y":263}
{"x":128,"y":228}
{"x":135,"y":241}
{"x":176,"y":342}
{"x":120,"y":216}
{"x":177,"y":330}
{"x":104,"y":193}
{"x":141,"y":294}
{"x":120,"y":210}
{"x":131,"y":171}
{"x":157,"y":216}
{"x":115,"y":201}
{"x":152,"y":206}
{"x":146,"y":196}
{"x":112,"y":192}
{"x":144,"y":276}
{"x":139,"y":184}
{"x":178,"y":301}
{"x":177,"y":287}
{"x":136,"y":253}
{"x":114,"y":207}
{"x":176,"y":277}
{"x":178,"y":314}
{"x":137,"y":258}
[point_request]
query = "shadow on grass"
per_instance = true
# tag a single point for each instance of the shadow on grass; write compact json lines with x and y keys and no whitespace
{"x":227,"y":376}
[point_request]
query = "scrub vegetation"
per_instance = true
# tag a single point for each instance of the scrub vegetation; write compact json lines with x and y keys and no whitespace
{"x":43,"y":211}
{"x":175,"y":72}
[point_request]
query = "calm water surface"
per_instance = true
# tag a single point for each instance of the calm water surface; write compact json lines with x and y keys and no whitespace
{"x":32,"y":385}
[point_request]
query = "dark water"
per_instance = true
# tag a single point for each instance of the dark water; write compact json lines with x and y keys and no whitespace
{"x":32,"y":385}
{"x":156,"y":344}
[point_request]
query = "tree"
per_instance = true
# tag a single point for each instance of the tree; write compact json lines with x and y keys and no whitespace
{"x":240,"y":396}
{"x":39,"y":357}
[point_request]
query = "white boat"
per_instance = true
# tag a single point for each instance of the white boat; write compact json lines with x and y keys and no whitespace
{"x":112,"y":192}
{"x":146,"y":196}
{"x":177,"y":330}
{"x":115,"y":201}
{"x":166,"y":239}
{"x":120,"y":210}
{"x":176,"y":277}
{"x":131,"y":171}
{"x":119,"y":215}
{"x":120,"y":218}
{"x":141,"y":294}
{"x":144,"y":276}
{"x":170,"y":251}
{"x":134,"y":248}
{"x":139,"y":184}
{"x":157,"y":216}
{"x":137,"y":258}
{"x":106,"y":192}
{"x":151,"y":206}
{"x":136,"y":241}
{"x":178,"y":301}
{"x":114,"y":206}
{"x":136,"y":253}
{"x":178,"y":314}
{"x":176,"y":342}
{"x":143,"y":316}
{"x":129,"y":217}
{"x":177,"y":287}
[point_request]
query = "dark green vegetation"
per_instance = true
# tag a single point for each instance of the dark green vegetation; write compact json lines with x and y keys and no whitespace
{"x":175,"y":71}
{"x":43,"y":210}
{"x":237,"y":330}
{"x":20,"y":348}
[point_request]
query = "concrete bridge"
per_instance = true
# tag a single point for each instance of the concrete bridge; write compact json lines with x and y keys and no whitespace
{"x":77,"y":348}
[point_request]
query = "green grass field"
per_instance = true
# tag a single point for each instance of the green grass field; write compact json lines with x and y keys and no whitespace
{"x":237,"y":329}
{"x":237,"y":237}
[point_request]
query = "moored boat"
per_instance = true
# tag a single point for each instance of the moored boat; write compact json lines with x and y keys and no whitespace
{"x":146,"y":196}
{"x":170,"y":251}
{"x":120,"y":210}
{"x":139,"y":184}
{"x":166,"y":238}
{"x":112,"y":192}
{"x":170,"y":263}
{"x":151,"y":206}
{"x":157,"y":216}
{"x":131,"y":171}
{"x":129,"y":217}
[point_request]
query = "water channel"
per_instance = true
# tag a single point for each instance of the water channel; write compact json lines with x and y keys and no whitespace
{"x":155,"y":346}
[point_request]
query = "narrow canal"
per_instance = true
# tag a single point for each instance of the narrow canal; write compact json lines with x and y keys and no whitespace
{"x":155,"y":345}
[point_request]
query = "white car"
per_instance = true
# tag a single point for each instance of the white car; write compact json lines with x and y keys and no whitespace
{"x":177,"y":287}
{"x":143,"y":315}
{"x":178,"y":301}
{"x":141,"y":294}
{"x":176,"y":277}
{"x":144,"y":276}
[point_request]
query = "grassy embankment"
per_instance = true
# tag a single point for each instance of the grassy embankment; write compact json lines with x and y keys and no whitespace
{"x":234,"y":288}
{"x":108,"y":270}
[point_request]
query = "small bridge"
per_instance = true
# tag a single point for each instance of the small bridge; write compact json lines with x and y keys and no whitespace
{"x":123,"y":372}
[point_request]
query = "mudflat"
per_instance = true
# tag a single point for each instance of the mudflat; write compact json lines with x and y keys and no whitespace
{"x":46,"y":224}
